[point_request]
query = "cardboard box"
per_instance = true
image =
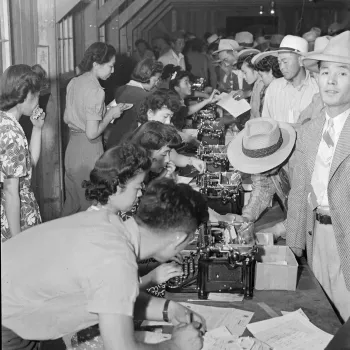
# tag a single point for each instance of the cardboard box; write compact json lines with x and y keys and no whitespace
{"x":276,"y":268}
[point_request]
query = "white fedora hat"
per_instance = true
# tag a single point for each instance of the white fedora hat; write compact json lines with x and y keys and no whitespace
{"x":261,"y":146}
{"x":290,"y":43}
{"x":212,"y":39}
{"x":337,"y":50}
{"x":227,"y":45}
{"x":245,"y":39}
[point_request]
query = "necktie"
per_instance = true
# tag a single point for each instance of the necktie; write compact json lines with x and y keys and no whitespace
{"x":328,"y":135}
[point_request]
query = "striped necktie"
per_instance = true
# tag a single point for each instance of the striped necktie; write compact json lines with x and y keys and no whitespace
{"x":328,"y":135}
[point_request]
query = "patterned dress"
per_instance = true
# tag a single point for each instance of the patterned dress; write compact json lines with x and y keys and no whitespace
{"x":15,"y":161}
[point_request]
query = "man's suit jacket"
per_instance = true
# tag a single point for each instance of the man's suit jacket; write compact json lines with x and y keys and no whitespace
{"x":301,"y":217}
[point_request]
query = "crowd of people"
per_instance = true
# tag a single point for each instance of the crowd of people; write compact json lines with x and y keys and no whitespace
{"x":67,"y":274}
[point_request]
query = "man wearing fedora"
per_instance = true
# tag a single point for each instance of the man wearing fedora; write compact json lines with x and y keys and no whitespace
{"x":319,"y":201}
{"x":287,"y":97}
{"x":261,"y":149}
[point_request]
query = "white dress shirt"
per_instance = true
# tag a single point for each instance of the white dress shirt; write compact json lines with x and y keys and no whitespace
{"x":322,"y":167}
{"x":171,"y":57}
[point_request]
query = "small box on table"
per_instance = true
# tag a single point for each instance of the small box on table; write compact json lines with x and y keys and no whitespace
{"x":276,"y":268}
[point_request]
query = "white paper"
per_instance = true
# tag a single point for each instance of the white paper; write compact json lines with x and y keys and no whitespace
{"x":228,"y":297}
{"x":235,"y":320}
{"x":233,"y":106}
{"x":183,"y":179}
{"x":151,"y":337}
{"x":300,"y":311}
{"x":191,"y":132}
{"x":290,"y":332}
{"x":219,"y":332}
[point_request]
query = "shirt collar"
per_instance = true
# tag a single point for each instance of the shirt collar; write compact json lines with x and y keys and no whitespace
{"x":305,"y":82}
{"x":136,"y":84}
{"x":339,"y":120}
{"x":178,"y":57}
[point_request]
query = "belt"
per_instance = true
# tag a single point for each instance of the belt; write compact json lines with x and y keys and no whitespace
{"x":323,"y":219}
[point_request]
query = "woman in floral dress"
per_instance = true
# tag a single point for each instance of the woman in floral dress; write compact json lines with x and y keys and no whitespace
{"x":20,"y":87}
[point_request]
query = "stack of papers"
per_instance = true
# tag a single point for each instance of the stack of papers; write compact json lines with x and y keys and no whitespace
{"x":290,"y":332}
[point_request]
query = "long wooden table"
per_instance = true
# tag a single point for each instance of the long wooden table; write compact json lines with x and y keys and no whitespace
{"x":309,"y":296}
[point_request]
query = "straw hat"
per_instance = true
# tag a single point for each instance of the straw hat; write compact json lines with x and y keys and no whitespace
{"x":261,"y":146}
{"x":337,"y":50}
{"x":245,"y":39}
{"x":321,"y":43}
{"x":227,"y":45}
{"x":246,"y":52}
{"x":290,"y":43}
{"x":212,"y":39}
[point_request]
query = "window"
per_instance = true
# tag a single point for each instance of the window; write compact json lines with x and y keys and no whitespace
{"x":66,"y":45}
{"x":5,"y":43}
{"x":102,"y":29}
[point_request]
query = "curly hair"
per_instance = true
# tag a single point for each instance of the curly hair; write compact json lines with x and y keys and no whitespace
{"x":146,"y":69}
{"x":156,"y":101}
{"x":167,"y":206}
{"x":246,"y":59}
{"x":17,"y":81}
{"x":154,"y":135}
{"x":116,"y":167}
{"x":176,"y":81}
{"x":169,"y":70}
{"x":269,"y":63}
{"x":97,"y":52}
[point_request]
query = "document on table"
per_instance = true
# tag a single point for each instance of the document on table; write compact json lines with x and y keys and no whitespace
{"x":183,"y":179}
{"x":233,"y":106}
{"x":151,"y":337}
{"x":234,"y":319}
{"x":300,"y":311}
{"x":290,"y":332}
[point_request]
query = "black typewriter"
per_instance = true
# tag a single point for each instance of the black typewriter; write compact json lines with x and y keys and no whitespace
{"x":215,"y":157}
{"x":223,"y":190}
{"x":224,"y":262}
{"x":199,"y":84}
{"x":211,"y":132}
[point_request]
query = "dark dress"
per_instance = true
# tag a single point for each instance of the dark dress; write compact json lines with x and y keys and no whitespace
{"x":128,"y":121}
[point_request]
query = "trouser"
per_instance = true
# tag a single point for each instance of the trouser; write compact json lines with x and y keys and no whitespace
{"x":12,"y":341}
{"x":327,"y":268}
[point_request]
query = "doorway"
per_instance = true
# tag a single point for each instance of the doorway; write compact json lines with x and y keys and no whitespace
{"x":257,"y":25}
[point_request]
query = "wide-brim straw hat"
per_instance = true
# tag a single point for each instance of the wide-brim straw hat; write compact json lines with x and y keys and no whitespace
{"x":290,"y":43}
{"x":245,"y":40}
{"x":212,"y":39}
{"x":262,"y":145}
{"x":246,"y":52}
{"x":227,"y":45}
{"x":337,"y":50}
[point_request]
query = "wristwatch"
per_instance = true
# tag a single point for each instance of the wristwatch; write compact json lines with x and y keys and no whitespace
{"x":165,"y":311}
{"x":190,"y":161}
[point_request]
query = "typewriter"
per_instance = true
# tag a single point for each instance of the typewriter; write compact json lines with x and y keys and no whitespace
{"x":211,"y":132}
{"x":223,"y":190}
{"x":215,"y":156}
{"x":224,"y":262}
{"x":199,"y":84}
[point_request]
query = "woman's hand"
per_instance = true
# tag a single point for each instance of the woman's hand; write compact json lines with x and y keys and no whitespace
{"x":178,"y":258}
{"x":170,"y":169}
{"x":38,"y":122}
{"x":180,"y":314}
{"x":199,"y":164}
{"x":164,"y":272}
{"x":214,"y":97}
{"x":113,"y":113}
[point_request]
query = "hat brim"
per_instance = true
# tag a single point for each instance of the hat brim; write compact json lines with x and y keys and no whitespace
{"x":310,"y":62}
{"x":246,"y":52}
{"x":257,"y":58}
{"x":248,"y":165}
{"x":239,"y":48}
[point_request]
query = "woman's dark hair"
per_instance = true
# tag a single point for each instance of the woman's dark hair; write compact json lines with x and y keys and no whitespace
{"x":158,"y":99}
{"x":17,"y":81}
{"x":146,"y":69}
{"x":97,"y":52}
{"x":142,"y":41}
{"x":167,"y":207}
{"x":213,"y":46}
{"x":169,"y":70}
{"x":269,"y":63}
{"x":246,"y":59}
{"x":153,"y":135}
{"x":176,"y":80}
{"x":115,"y":168}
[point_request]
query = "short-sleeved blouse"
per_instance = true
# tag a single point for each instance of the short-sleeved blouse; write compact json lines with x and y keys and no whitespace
{"x":85,"y":101}
{"x":16,"y":162}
